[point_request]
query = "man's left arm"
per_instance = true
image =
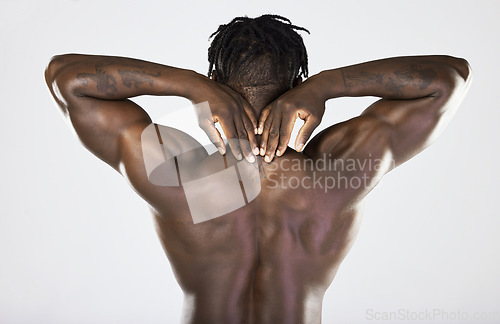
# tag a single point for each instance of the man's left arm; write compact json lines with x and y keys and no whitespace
{"x":418,"y":95}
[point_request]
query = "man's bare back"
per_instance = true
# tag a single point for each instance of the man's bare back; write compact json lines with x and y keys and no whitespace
{"x":271,"y":259}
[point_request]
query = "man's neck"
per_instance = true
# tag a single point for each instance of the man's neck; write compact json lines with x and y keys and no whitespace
{"x":259,"y":96}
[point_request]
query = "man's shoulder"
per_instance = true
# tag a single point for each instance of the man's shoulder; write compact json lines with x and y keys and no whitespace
{"x":342,"y":139}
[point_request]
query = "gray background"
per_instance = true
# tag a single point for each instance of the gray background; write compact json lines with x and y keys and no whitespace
{"x":78,"y":246}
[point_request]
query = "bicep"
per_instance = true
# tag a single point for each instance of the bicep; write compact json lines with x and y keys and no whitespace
{"x":99,"y":124}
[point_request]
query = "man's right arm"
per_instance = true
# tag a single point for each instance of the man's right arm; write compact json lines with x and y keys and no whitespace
{"x":93,"y":91}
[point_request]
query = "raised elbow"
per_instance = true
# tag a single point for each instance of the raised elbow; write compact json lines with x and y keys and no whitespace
{"x":60,"y":76}
{"x":463,"y":69}
{"x":455,"y":77}
{"x":460,"y":73}
{"x":462,"y":77}
{"x":56,"y":67}
{"x":57,"y":79}
{"x":52,"y":69}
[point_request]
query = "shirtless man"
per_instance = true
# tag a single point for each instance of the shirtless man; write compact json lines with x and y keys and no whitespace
{"x":272,"y":259}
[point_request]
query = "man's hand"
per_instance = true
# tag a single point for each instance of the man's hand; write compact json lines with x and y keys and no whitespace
{"x":233,"y":112}
{"x":276,"y":122}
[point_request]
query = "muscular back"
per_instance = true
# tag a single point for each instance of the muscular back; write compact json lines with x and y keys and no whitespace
{"x":272,"y":259}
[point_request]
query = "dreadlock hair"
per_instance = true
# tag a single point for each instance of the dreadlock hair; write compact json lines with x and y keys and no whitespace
{"x":256,"y":52}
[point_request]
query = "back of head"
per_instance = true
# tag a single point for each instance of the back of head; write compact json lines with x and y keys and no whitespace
{"x":262,"y":55}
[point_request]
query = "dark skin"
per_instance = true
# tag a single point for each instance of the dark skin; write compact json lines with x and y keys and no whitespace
{"x":271,"y":260}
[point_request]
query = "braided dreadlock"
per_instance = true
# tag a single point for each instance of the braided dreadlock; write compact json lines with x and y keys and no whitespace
{"x":258,"y":51}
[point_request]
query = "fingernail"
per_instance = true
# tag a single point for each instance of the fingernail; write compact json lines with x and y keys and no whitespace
{"x":221,"y":151}
{"x":251,"y":159}
{"x":262,"y":151}
{"x":256,"y":150}
{"x":256,"y":130}
{"x":260,"y":130}
{"x":299,"y":148}
{"x":278,"y":153}
{"x":267,"y":159}
{"x":238,"y":156}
